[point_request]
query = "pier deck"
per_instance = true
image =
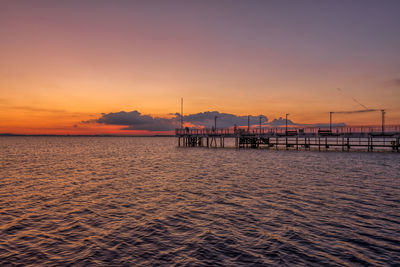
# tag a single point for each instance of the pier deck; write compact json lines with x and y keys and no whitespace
{"x":340,"y":139}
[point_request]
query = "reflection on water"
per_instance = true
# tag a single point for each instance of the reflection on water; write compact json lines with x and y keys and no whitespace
{"x":143,"y":201}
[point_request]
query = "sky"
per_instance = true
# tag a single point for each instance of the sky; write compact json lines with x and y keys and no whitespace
{"x":121,"y":67}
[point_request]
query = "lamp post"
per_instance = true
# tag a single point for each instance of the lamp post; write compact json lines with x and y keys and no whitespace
{"x":330,"y":121}
{"x":248,"y":123}
{"x":286,"y":121}
{"x":215,"y":123}
{"x":261,"y":116}
{"x":181,"y":112}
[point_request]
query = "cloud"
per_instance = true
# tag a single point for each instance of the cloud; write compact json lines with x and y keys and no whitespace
{"x":393,"y":82}
{"x":281,"y":122}
{"x":134,"y":120}
{"x":224,"y":120}
{"x":34,"y":109}
{"x":325,"y":125}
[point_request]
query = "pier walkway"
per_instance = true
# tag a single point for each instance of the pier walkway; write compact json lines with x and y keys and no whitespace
{"x":365,"y":138}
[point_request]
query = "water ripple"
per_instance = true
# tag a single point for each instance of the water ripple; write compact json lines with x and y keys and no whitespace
{"x":142,"y":201}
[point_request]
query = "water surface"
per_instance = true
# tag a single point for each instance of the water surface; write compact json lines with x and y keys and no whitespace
{"x":143,"y":201}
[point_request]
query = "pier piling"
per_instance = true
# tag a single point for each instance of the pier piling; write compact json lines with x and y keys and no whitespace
{"x":344,"y":139}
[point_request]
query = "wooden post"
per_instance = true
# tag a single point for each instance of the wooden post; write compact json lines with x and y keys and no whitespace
{"x":319,"y":143}
{"x":398,"y":144}
{"x":348,"y":144}
{"x":342,"y":143}
{"x":326,"y":143}
{"x":372,"y":143}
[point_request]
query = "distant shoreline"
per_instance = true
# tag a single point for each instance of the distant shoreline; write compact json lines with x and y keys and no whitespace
{"x":83,"y":135}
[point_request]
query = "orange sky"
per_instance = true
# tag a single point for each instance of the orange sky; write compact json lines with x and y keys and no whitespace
{"x":62,"y":63}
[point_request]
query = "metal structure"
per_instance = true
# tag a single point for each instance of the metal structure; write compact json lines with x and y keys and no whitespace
{"x":366,"y":138}
{"x":181,"y":112}
{"x":358,"y":111}
{"x":342,"y":138}
{"x":287,"y":114}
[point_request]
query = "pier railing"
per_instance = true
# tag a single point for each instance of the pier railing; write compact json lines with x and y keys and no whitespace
{"x":389,"y":129}
{"x":369,"y":138}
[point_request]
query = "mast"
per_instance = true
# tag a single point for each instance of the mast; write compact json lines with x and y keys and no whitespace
{"x":181,"y":112}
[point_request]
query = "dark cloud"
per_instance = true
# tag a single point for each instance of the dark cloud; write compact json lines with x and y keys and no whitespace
{"x":393,"y":82}
{"x":224,"y":120}
{"x":326,"y":125}
{"x":280,"y":122}
{"x":134,"y":120}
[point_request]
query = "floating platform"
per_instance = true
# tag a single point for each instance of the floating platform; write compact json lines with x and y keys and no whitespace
{"x":364,"y":138}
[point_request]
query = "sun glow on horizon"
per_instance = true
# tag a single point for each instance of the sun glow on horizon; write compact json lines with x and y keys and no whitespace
{"x":65,"y":62}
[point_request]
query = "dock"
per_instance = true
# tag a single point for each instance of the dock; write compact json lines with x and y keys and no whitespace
{"x":357,"y":138}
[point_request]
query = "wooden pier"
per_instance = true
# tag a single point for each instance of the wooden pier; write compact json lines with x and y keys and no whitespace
{"x":361,"y":138}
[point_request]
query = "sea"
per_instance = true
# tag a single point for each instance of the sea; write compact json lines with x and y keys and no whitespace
{"x":144,"y":201}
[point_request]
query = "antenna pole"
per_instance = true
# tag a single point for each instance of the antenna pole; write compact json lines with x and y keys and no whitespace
{"x":181,"y":112}
{"x":286,"y":122}
{"x":248,"y":123}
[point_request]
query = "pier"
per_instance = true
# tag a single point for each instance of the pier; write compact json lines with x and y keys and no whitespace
{"x":358,"y":138}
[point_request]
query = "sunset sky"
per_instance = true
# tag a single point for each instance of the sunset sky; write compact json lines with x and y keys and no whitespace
{"x":121,"y":67}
